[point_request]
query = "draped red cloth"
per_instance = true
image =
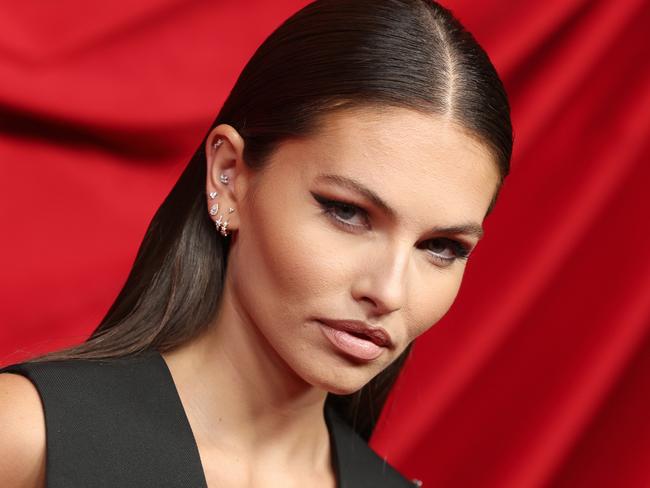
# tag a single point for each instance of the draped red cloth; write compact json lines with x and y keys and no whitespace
{"x":538,"y":376}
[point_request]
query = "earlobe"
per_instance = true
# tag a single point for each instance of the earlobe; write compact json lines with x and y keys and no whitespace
{"x":220,"y":223}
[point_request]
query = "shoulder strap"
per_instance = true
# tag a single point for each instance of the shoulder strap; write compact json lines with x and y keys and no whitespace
{"x":114,"y":422}
{"x":358,"y":465}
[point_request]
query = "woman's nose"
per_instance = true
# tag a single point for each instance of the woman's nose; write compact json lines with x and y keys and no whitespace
{"x":383,"y":280}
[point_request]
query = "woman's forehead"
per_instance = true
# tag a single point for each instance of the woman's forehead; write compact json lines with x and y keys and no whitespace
{"x":409,"y":140}
{"x":409,"y":158}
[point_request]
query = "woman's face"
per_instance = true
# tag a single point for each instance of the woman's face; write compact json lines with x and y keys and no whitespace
{"x":311,"y":245}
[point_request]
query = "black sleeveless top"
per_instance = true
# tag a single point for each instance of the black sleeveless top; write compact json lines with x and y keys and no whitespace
{"x":119,"y":422}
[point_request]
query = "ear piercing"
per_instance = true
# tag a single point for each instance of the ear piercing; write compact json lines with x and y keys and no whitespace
{"x":224,"y":178}
{"x":222,"y":225}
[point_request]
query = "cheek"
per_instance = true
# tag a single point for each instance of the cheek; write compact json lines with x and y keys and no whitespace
{"x":292,"y":258}
{"x":291,"y":266}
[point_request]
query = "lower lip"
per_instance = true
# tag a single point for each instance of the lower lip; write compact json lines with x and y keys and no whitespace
{"x":351,"y":344}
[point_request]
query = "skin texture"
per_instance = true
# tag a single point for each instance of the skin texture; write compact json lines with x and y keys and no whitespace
{"x":291,"y":262}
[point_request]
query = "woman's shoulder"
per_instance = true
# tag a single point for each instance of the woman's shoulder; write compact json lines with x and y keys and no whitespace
{"x":23,"y":439}
{"x":90,"y":382}
{"x":116,"y":418}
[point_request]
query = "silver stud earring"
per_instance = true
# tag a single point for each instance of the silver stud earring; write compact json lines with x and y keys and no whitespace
{"x":231,"y":210}
{"x":217,"y":143}
{"x":214,"y":209}
{"x":213,"y":195}
{"x":224,"y":178}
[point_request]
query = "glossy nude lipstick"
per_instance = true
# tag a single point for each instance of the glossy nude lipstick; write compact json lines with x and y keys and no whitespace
{"x":356,"y":338}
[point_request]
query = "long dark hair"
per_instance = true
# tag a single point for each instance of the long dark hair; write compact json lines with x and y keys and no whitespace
{"x":331,"y":55}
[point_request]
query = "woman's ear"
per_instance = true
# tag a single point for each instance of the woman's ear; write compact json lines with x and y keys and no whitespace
{"x":224,"y":149}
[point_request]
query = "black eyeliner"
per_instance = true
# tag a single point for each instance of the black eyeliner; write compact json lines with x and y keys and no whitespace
{"x":461,"y":250}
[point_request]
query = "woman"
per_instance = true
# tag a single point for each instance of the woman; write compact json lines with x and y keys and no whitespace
{"x":322,"y":225}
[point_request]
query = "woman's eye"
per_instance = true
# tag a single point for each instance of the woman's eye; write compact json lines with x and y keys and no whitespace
{"x":446,"y":250}
{"x":342,"y":213}
{"x":442,"y":250}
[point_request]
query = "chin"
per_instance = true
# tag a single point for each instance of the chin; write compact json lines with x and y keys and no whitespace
{"x":339,"y":381}
{"x":339,"y":389}
{"x":344,"y":391}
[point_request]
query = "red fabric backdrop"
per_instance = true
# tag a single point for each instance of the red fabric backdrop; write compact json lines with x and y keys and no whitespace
{"x":540,"y":373}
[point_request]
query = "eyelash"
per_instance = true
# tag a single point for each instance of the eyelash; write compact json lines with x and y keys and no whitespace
{"x":460,"y":250}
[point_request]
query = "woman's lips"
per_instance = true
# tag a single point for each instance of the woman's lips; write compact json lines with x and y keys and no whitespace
{"x":367,"y":345}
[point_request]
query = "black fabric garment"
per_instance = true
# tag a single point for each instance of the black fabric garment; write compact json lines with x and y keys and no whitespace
{"x":119,"y":422}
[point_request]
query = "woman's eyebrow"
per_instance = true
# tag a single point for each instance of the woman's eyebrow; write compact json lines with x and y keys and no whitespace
{"x":470,"y":229}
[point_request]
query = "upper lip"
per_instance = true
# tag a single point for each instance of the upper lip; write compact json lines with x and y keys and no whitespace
{"x":376,"y":334}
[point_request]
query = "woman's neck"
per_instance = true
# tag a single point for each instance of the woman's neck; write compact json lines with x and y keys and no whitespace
{"x":241,"y":397}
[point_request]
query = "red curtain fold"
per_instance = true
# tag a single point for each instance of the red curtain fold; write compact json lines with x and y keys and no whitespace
{"x":539,"y":375}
